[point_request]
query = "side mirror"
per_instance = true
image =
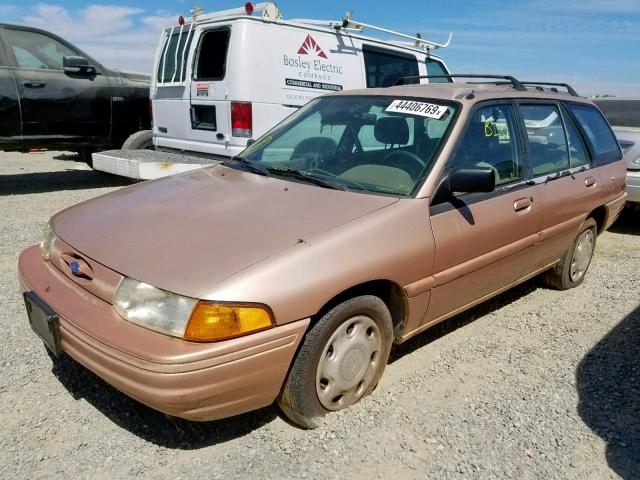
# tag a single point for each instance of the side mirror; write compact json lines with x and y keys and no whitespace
{"x":77,"y":65}
{"x":465,"y":180}
{"x":472,"y":180}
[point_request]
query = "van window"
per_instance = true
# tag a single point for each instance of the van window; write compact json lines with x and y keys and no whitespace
{"x":547,"y":140}
{"x":212,"y":55}
{"x":434,"y":67}
{"x":490,"y":141}
{"x":384,"y":67}
{"x":604,"y":143}
{"x":177,"y":46}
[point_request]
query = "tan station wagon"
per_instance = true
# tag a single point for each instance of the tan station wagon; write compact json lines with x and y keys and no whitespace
{"x":288,"y":272}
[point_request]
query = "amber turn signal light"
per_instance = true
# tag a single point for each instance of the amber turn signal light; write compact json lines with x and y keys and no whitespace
{"x":210,"y":322}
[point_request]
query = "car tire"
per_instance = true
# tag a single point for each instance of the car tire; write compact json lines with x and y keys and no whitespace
{"x":341,"y":360}
{"x":572,"y":268}
{"x":142,"y":140}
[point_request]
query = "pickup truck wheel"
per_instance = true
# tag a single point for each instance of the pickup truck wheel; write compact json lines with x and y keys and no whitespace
{"x":340,"y":361}
{"x":85,"y":155}
{"x":142,"y":140}
{"x":572,"y":268}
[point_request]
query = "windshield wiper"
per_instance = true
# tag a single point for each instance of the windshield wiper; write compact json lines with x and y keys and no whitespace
{"x":305,"y":177}
{"x":250,"y":166}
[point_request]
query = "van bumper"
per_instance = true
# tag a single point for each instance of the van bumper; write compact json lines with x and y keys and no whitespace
{"x":195,"y":381}
{"x":180,"y":144}
{"x":633,"y":186}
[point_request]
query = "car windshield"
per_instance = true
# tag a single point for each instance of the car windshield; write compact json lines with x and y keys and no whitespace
{"x":374,"y":144}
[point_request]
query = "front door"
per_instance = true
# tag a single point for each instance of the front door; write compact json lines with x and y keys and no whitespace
{"x":57,"y":106}
{"x":482,"y":240}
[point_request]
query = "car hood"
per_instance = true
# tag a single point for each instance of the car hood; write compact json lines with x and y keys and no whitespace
{"x":188,"y":232}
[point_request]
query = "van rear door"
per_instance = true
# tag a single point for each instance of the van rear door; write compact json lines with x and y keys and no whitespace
{"x":209,"y":112}
{"x":170,"y":92}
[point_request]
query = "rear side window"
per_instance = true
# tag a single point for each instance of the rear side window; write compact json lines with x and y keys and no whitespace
{"x":603,"y":142}
{"x":434,"y":67}
{"x":211,"y":61}
{"x":547,"y":140}
{"x":173,"y":60}
{"x":384,"y":68}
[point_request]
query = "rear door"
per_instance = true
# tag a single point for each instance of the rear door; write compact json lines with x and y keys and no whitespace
{"x":564,"y":175}
{"x":57,"y":106}
{"x":209,"y":112}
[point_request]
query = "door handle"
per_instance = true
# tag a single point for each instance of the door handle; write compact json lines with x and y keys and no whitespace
{"x":522,"y":204}
{"x":34,"y":84}
{"x":589,"y":182}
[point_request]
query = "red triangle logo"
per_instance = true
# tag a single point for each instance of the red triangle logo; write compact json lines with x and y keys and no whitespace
{"x":311,"y":47}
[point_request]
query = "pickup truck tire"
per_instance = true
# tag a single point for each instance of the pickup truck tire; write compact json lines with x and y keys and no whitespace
{"x":142,"y":140}
{"x":85,"y":155}
{"x":572,"y":268}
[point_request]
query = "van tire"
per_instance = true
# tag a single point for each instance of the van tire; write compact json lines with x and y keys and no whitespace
{"x":142,"y":140}
{"x":564,"y":275}
{"x":368,"y":314}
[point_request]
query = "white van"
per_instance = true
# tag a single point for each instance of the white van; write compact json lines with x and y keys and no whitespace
{"x":224,"y":78}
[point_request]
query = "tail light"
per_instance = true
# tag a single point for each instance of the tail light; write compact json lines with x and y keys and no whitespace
{"x":241,"y":121}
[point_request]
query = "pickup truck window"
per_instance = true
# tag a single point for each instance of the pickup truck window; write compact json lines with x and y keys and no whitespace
{"x":603,"y":142}
{"x":36,"y":51}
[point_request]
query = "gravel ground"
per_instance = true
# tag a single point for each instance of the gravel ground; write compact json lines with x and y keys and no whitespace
{"x":533,"y":384}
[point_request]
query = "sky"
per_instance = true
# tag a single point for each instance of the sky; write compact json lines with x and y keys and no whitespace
{"x":592,"y":44}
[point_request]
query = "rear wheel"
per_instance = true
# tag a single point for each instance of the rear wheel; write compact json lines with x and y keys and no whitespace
{"x":142,"y":140}
{"x":340,"y":361}
{"x":572,"y":268}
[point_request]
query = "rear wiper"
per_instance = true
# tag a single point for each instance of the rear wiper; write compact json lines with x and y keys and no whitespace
{"x":305,"y":177}
{"x":250,"y":166}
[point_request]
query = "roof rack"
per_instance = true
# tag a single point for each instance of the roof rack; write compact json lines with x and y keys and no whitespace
{"x":348,"y":24}
{"x":517,"y":84}
{"x":539,"y":85}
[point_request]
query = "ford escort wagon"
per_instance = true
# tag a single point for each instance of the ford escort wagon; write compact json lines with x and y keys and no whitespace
{"x":363,"y":219}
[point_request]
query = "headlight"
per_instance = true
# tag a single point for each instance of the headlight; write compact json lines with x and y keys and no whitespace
{"x":48,"y":237}
{"x":186,"y":317}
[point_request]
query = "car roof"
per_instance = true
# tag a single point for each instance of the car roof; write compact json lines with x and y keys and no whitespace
{"x":466,"y":93}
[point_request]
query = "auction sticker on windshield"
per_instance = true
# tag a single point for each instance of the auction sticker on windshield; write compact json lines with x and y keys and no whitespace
{"x":423,"y":109}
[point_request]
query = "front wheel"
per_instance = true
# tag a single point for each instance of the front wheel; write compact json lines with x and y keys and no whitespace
{"x":340,"y":361}
{"x":572,"y":268}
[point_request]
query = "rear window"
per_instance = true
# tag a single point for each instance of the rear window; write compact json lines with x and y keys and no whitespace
{"x":434,"y":67}
{"x":384,"y":68}
{"x":603,"y":142}
{"x":173,"y":60}
{"x":212,"y":55}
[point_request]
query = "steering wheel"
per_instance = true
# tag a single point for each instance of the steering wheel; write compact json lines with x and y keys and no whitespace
{"x":401,"y":155}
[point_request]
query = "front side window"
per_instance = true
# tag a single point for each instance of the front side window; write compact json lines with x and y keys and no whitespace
{"x":490,"y":141}
{"x":374,"y":144}
{"x":212,"y":55}
{"x":384,"y":67}
{"x":547,"y":139}
{"x":597,"y":130}
{"x":434,"y":67}
{"x":37,"y":51}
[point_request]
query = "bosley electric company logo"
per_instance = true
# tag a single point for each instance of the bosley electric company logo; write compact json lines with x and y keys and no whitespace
{"x":310,"y":46}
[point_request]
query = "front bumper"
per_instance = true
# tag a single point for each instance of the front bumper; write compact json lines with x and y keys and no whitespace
{"x":196,"y":381}
{"x":633,"y":186}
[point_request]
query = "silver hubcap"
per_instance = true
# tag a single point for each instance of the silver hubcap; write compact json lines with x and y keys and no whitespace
{"x":582,"y":255}
{"x":348,"y":363}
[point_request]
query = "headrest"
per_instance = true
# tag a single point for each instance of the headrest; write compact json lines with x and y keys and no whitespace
{"x":392,"y":131}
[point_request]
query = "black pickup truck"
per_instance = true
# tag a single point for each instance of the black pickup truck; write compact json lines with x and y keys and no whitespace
{"x":52,"y":95}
